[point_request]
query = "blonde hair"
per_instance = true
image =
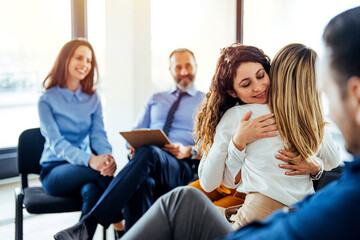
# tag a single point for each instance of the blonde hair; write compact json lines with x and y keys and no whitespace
{"x":294,"y":100}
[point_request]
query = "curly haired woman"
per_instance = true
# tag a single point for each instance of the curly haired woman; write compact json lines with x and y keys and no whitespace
{"x":248,"y":155}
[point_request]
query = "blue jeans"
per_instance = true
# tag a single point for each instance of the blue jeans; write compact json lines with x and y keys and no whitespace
{"x":68,"y":180}
{"x":148,"y":175}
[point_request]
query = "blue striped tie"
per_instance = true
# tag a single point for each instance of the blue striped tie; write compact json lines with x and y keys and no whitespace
{"x":171,"y":113}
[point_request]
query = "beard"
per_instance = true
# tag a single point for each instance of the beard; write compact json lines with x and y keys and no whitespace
{"x":184,"y":82}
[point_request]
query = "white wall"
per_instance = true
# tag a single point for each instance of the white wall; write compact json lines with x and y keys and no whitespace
{"x":127,"y":67}
{"x":203,"y":26}
{"x":134,"y":46}
{"x":272,"y":24}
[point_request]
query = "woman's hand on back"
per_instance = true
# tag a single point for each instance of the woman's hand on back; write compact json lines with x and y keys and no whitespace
{"x":249,"y":131}
{"x":301,"y":167}
{"x":104,"y":163}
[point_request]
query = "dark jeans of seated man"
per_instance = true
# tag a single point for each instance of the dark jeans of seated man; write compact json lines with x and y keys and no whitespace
{"x":151,"y":172}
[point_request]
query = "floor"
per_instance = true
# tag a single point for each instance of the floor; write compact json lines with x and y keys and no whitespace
{"x":36,"y":227}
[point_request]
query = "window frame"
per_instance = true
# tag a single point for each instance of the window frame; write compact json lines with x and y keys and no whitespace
{"x":8,"y":155}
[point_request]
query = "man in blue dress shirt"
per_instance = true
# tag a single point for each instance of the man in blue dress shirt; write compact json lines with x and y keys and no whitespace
{"x":152,"y":171}
{"x":331,"y":213}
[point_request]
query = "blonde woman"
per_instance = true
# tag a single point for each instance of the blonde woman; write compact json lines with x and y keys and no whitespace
{"x":296,"y":106}
{"x":267,"y":186}
{"x":218,"y":101}
{"x":241,"y":77}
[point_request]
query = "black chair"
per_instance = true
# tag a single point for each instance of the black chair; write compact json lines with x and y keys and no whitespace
{"x":34,"y":199}
{"x":327,"y":177}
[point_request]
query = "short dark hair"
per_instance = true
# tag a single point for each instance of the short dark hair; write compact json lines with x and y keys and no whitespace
{"x":182,"y":50}
{"x":342,"y":37}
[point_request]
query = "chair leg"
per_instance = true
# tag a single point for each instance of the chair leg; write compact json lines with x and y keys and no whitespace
{"x":104,"y":233}
{"x":19,"y":196}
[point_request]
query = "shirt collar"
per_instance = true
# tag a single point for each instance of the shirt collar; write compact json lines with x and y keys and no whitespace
{"x":191,"y":91}
{"x":68,"y":95}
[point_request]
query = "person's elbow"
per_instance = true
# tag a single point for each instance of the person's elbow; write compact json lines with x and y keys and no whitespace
{"x":334,"y":161}
{"x":207,"y":187}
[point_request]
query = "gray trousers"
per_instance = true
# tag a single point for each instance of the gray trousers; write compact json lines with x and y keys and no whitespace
{"x":184,"y":213}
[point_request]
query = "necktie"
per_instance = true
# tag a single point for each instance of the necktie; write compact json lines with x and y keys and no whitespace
{"x":171,"y":113}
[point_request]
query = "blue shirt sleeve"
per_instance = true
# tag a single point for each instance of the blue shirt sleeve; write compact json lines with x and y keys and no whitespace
{"x":143,"y":120}
{"x":56,"y":141}
{"x":98,"y":139}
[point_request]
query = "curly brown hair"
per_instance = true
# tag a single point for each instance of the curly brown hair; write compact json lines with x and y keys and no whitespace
{"x":217,"y":100}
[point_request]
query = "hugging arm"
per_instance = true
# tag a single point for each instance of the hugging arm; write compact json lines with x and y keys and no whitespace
{"x":211,"y":168}
{"x":327,"y":158}
{"x":233,"y":165}
{"x":247,"y":131}
{"x":234,"y":125}
{"x":330,"y":152}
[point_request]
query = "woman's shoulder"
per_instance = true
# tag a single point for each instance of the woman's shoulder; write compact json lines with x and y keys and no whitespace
{"x":235,"y":110}
{"x":233,"y":113}
{"x":49,"y":94}
{"x":243,"y":109}
{"x":94,"y":95}
{"x":257,"y":107}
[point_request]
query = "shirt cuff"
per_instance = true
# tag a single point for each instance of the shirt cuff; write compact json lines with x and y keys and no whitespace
{"x":235,"y":159}
{"x":318,"y":175}
{"x":103,"y":150}
{"x":235,"y":154}
{"x":84,"y":158}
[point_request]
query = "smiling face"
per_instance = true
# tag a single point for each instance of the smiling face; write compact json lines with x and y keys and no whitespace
{"x":251,"y":83}
{"x":183,"y":69}
{"x":79,"y":64}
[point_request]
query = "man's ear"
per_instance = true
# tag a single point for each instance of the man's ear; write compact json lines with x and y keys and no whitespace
{"x":231,"y":93}
{"x":354,"y":94}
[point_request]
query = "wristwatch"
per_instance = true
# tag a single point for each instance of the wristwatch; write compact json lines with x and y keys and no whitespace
{"x":194,"y":152}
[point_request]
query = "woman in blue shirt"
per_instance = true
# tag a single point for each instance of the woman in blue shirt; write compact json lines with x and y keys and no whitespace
{"x":77,"y":159}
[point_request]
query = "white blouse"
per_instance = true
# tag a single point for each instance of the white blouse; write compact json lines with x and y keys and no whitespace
{"x":259,"y":167}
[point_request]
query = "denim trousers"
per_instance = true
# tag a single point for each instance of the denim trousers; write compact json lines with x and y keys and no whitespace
{"x":68,"y":180}
{"x":151,"y":173}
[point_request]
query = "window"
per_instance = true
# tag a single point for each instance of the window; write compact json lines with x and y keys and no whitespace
{"x":204,"y":27}
{"x":96,"y":32}
{"x":32,"y":35}
{"x":272,"y":24}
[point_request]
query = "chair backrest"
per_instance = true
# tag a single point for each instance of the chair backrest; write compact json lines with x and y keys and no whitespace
{"x":30,"y":148}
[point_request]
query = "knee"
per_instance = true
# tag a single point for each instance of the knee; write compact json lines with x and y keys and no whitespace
{"x":185,"y":194}
{"x":182,"y":198}
{"x":189,"y":192}
{"x":148,"y":150}
{"x":91,"y":192}
{"x":147,"y":153}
